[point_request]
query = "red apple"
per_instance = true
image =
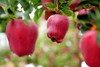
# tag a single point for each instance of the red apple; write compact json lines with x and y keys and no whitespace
{"x":48,"y":14}
{"x":90,"y":48}
{"x":45,"y":1}
{"x":21,"y":36}
{"x":74,"y":4}
{"x":57,"y":26}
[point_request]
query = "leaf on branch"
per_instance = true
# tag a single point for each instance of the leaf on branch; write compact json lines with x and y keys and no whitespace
{"x":66,"y":12}
{"x":64,"y":5}
{"x":83,"y":4}
{"x":95,"y":15}
{"x":38,"y":14}
{"x":94,"y":2}
{"x":62,"y":1}
{"x":36,"y":3}
{"x":24,"y":4}
{"x":50,"y":6}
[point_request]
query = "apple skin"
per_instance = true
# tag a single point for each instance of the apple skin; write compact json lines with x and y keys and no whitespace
{"x":57,"y":26}
{"x":90,"y":48}
{"x":45,"y":1}
{"x":21,"y":36}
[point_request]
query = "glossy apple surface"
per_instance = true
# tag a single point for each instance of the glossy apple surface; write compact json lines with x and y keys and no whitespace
{"x":21,"y":36}
{"x":90,"y":48}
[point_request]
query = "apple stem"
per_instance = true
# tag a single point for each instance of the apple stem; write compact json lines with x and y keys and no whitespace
{"x":57,"y":6}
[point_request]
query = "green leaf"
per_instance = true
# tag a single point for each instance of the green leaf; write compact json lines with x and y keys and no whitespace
{"x":98,"y":39}
{"x":36,"y":3}
{"x":4,"y":3}
{"x":62,"y":1}
{"x":24,"y":4}
{"x":95,"y":15}
{"x":50,"y":6}
{"x":66,"y":12}
{"x":38,"y":14}
{"x":3,"y":23}
{"x":13,"y":3}
{"x":64,"y":5}
{"x":94,"y":2}
{"x":83,"y":17}
{"x":83,"y":28}
{"x":83,"y":4}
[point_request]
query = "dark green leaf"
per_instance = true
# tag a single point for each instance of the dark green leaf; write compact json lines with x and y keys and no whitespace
{"x":95,"y":15}
{"x":36,"y":3}
{"x":83,"y":4}
{"x":64,"y":5}
{"x":24,"y":4}
{"x":83,"y":28}
{"x":94,"y":2}
{"x":10,"y":11}
{"x":83,"y":17}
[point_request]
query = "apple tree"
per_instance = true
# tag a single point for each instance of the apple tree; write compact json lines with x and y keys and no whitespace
{"x":22,"y":29}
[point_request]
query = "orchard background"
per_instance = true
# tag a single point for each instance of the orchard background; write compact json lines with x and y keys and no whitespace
{"x":83,"y":16}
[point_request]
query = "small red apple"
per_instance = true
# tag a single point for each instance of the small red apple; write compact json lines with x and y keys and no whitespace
{"x":90,"y":48}
{"x":48,"y":14}
{"x":74,"y":4}
{"x":21,"y":36}
{"x":57,"y":26}
{"x":45,"y":1}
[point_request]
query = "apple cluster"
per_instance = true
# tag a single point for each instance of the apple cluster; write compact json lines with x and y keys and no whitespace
{"x":22,"y":35}
{"x":57,"y":26}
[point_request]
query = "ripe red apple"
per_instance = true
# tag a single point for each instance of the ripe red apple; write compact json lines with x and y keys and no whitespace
{"x":45,"y":1}
{"x":57,"y":26}
{"x":74,"y":4}
{"x":48,"y":14}
{"x":21,"y":36}
{"x":90,"y":48}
